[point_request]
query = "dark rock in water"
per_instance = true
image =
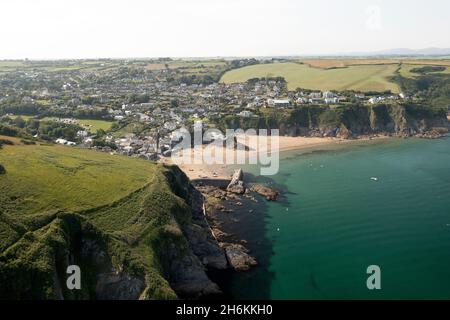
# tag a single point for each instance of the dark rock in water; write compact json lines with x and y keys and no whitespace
{"x":435,"y":133}
{"x":238,"y":257}
{"x":266,"y":192}
{"x":237,"y":182}
{"x":221,"y":236}
{"x":2,"y":169}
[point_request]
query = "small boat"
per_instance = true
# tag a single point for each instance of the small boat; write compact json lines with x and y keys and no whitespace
{"x":374,"y":178}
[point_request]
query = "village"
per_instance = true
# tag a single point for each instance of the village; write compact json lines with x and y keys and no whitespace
{"x":146,"y":107}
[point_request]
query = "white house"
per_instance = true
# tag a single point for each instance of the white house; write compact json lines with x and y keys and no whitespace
{"x":315,"y":100}
{"x":315,"y":95}
{"x":82,"y":133}
{"x":245,"y":114}
{"x":328,"y":95}
{"x":278,"y":103}
{"x":302,"y":100}
{"x":333,"y":100}
{"x":375,"y":100}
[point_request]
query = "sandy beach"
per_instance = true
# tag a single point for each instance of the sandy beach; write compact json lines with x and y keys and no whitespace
{"x":202,"y":170}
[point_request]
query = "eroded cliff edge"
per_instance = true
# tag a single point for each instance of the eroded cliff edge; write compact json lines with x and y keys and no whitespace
{"x":159,"y":249}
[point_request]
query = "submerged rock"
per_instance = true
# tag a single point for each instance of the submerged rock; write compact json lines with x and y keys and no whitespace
{"x":238,"y":257}
{"x":266,"y":192}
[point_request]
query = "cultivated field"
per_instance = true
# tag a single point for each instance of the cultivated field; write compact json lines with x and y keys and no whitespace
{"x":360,"y":78}
{"x":342,"y":63}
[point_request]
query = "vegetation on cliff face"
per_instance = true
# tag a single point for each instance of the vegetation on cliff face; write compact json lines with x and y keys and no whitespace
{"x":432,"y":89}
{"x":345,"y":121}
{"x":119,"y":219}
{"x":426,"y":110}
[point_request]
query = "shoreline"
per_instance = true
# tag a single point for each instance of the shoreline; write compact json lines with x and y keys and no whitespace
{"x":229,"y":215}
{"x":216,"y":171}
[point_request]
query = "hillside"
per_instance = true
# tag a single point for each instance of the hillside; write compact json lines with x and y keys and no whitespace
{"x":122,"y":220}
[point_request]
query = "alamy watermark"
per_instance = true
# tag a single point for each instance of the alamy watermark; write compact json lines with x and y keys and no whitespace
{"x":374,"y":280}
{"x":374,"y":19}
{"x":234,"y":147}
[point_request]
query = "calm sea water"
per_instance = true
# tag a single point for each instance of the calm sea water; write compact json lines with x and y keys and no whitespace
{"x":334,"y":221}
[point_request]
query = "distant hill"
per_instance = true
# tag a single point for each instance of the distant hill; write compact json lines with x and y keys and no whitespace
{"x":403,"y":52}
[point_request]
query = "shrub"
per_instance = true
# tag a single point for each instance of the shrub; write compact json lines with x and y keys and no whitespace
{"x":2,"y":169}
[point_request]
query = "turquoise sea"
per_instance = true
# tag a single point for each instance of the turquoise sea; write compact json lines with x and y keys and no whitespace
{"x":334,"y":221}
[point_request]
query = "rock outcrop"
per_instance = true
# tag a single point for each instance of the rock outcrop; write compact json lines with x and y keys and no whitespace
{"x":204,"y":246}
{"x":187,"y":276}
{"x":237,"y":182}
{"x":266,"y":192}
{"x":238,"y":257}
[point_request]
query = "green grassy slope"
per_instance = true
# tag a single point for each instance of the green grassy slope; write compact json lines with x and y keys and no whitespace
{"x":405,"y":70}
{"x":55,"y":200}
{"x":363,"y":78}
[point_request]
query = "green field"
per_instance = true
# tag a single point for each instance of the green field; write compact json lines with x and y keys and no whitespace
{"x":91,"y":125}
{"x":24,"y":117}
{"x":95,"y":125}
{"x":405,"y":70}
{"x":56,"y":177}
{"x":51,"y":195}
{"x":360,"y":78}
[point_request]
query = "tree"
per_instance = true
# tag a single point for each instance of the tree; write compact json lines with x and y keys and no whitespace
{"x":100,"y":133}
{"x":19,"y":122}
{"x":174,"y":103}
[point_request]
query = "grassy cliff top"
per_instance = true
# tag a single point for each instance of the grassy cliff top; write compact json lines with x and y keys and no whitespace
{"x":53,"y":196}
{"x":42,"y":178}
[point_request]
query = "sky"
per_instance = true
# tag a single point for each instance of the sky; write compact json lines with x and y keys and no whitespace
{"x":63,"y":29}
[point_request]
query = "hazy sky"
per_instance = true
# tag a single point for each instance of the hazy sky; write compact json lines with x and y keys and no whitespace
{"x":47,"y":29}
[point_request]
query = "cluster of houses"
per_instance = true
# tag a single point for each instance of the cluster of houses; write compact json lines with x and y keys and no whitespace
{"x":328,"y":98}
{"x":164,"y":106}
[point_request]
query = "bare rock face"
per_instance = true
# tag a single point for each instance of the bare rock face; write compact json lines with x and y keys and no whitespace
{"x":112,"y":286}
{"x":237,"y":182}
{"x":266,"y":192}
{"x":204,"y":246}
{"x":238,"y":257}
{"x":188,"y":278}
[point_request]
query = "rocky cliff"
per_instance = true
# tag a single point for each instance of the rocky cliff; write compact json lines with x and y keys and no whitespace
{"x":160,"y":250}
{"x":347,"y":121}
